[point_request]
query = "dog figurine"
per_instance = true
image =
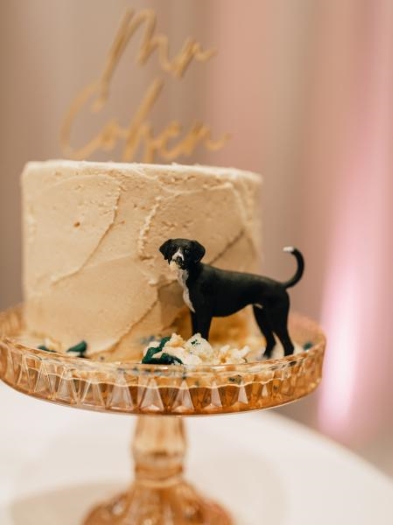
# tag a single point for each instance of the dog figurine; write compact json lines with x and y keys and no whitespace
{"x":210,"y":292}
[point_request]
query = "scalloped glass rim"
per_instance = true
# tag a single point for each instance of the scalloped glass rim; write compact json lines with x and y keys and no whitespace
{"x":134,"y":388}
{"x":295,"y":319}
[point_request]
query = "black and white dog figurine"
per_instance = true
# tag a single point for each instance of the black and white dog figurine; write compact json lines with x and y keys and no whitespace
{"x":210,"y":292}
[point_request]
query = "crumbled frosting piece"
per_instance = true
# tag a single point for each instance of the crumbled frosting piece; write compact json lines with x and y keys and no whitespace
{"x":198,"y":351}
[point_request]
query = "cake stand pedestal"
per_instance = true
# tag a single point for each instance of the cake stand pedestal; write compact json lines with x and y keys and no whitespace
{"x":160,"y":395}
{"x":159,"y":494}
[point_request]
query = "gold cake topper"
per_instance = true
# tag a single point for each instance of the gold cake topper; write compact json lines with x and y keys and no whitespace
{"x":139,"y":133}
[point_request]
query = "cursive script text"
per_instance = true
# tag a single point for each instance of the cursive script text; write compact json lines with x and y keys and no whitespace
{"x":172,"y":141}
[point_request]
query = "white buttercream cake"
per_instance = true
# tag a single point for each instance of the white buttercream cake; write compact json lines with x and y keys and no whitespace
{"x":91,"y":235}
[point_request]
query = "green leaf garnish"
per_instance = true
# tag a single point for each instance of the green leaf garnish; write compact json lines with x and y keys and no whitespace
{"x":79,"y":349}
{"x":169,"y":359}
{"x":46,"y":349}
{"x":164,"y":359}
{"x":152,"y":350}
{"x":163,"y":342}
{"x":149,"y":354}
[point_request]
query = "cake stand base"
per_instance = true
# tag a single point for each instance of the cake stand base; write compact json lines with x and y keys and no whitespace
{"x":179,"y":504}
{"x":159,"y":495}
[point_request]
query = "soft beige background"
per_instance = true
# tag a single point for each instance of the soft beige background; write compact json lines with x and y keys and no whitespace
{"x":305,"y":88}
{"x":51,"y":50}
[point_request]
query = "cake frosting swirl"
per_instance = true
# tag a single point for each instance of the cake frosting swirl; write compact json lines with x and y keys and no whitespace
{"x":91,"y":232}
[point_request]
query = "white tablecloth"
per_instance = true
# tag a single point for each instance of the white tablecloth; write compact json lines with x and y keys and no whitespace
{"x":55,"y":462}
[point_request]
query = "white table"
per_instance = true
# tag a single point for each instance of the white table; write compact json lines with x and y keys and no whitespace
{"x":56,"y":462}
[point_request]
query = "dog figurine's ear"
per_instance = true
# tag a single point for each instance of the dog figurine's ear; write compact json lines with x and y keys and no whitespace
{"x":198,"y":251}
{"x":165,"y":249}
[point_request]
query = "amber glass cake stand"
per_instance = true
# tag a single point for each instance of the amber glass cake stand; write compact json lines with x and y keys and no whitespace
{"x":160,"y":395}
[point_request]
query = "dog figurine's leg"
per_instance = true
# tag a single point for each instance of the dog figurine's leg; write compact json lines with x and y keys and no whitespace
{"x":201,"y":324}
{"x":264,"y":326}
{"x":283,"y":335}
{"x":194,"y":323}
{"x":278,"y":317}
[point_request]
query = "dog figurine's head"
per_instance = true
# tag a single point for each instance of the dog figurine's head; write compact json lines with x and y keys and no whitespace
{"x":183,"y":252}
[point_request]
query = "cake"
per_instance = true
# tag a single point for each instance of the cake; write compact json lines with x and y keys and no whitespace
{"x":91,"y":232}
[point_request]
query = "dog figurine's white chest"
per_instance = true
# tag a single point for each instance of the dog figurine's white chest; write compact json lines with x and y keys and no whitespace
{"x":182,"y":276}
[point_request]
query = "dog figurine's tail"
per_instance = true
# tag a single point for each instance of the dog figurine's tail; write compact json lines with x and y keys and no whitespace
{"x":300,"y":267}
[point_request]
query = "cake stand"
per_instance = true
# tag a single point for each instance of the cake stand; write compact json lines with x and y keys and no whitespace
{"x":160,"y":396}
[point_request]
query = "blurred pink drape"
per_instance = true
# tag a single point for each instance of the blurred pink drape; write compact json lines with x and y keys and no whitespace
{"x":318,"y":115}
{"x":357,"y":299}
